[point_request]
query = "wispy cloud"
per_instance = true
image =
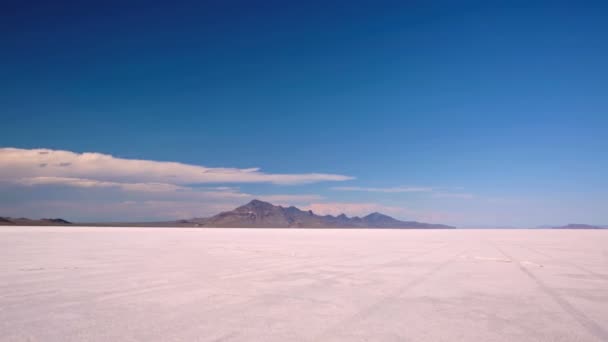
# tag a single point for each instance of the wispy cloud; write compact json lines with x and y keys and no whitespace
{"x":32,"y":163}
{"x":453,"y":195}
{"x":290,"y":199}
{"x":385,"y":190}
{"x":433,"y":191}
{"x":91,"y":183}
{"x":349,"y":208}
{"x":167,"y":190}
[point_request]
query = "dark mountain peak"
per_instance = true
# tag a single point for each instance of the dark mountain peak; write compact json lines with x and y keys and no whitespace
{"x":342,"y":217}
{"x":379,"y":218}
{"x":383,"y":221}
{"x":56,"y":220}
{"x":376,"y":215}
{"x":257,"y":207}
{"x":5,"y":220}
{"x":258,"y":204}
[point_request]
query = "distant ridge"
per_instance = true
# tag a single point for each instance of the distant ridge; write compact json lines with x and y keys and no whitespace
{"x":23,"y":221}
{"x":259,"y":214}
{"x":578,"y":226}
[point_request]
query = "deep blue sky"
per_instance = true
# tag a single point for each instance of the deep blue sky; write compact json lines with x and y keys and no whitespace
{"x":506,"y":103}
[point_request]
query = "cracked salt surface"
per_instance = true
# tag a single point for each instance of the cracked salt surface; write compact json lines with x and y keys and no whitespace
{"x":138,"y":284}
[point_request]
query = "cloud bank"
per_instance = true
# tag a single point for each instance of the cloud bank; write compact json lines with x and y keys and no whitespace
{"x":45,"y":165}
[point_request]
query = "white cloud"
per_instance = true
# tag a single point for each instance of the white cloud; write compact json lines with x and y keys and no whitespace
{"x":287,"y":200}
{"x":91,"y":183}
{"x":385,"y":190}
{"x":19,"y":164}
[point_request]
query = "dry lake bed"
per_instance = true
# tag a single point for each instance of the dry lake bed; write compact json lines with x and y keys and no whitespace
{"x":170,"y":284}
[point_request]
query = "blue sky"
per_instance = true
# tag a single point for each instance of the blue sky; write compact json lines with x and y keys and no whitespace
{"x":462,"y":113}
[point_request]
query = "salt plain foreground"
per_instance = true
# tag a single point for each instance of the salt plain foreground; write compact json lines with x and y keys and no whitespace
{"x":145,"y":284}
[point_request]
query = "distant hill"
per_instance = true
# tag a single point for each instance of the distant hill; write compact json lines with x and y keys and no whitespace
{"x":4,"y":220}
{"x":22,"y":221}
{"x":261,"y":214}
{"x":578,"y":226}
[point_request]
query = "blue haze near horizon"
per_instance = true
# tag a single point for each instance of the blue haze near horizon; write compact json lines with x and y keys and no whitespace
{"x":501,"y":106}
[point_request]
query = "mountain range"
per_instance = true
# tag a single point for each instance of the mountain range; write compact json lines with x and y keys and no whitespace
{"x":258,"y":214}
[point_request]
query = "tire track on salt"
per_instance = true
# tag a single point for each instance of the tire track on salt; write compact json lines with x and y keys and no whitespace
{"x":384,"y":300}
{"x":591,"y":326}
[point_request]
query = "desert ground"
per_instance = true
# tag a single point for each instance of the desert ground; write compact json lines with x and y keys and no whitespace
{"x":189,"y":284}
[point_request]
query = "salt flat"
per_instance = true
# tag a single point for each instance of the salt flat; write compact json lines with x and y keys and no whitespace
{"x":168,"y":284}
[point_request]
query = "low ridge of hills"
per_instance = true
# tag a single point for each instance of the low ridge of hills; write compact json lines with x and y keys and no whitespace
{"x":259,"y":214}
{"x":579,"y":226}
{"x":22,"y":221}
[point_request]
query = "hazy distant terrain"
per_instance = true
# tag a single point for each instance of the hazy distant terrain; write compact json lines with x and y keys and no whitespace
{"x":579,"y":226}
{"x":135,"y":284}
{"x":257,"y":214}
